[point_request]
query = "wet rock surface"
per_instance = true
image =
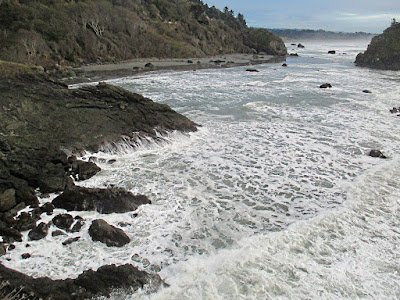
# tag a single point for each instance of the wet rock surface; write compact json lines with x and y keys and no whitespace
{"x":39,"y":232}
{"x":103,"y":232}
{"x":377,"y":154}
{"x":41,"y":121}
{"x":89,"y":284}
{"x":63,"y":221}
{"x":106,"y":201}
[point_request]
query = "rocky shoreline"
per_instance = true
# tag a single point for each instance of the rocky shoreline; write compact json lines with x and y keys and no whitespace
{"x":44,"y":124}
{"x":98,"y":72}
{"x":384,"y":51}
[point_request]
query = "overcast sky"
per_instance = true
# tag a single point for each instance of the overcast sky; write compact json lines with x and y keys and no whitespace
{"x":333,"y":15}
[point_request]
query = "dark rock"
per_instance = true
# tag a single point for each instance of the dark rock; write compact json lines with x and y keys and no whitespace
{"x":252,"y":70}
{"x":26,"y":255}
{"x":63,"y":221}
{"x":376,"y":153}
{"x":189,"y":61}
{"x":79,"y":218}
{"x":149,"y":65}
{"x":3,"y":249}
{"x":325,"y":85}
{"x":47,"y":208}
{"x":36,"y":213}
{"x":53,"y":178}
{"x":11,"y":247}
{"x":383,"y":51}
{"x":9,"y":235}
{"x":284,"y":65}
{"x":27,"y":245}
{"x":332,"y":52}
{"x":113,"y":200}
{"x":88,"y":285}
{"x":71,"y":240}
{"x":367,"y":91}
{"x":218,"y":61}
{"x":78,"y":226}
{"x":25,"y":222}
{"x":300,"y":46}
{"x":7,"y":200}
{"x":293,"y":54}
{"x":103,"y":232}
{"x":39,"y":232}
{"x":83,"y":170}
{"x":111,"y":161}
{"x":394,"y":110}
{"x":57,"y":233}
{"x":124,"y":224}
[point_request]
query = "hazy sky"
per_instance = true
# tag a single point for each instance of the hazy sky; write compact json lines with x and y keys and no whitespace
{"x":334,"y":15}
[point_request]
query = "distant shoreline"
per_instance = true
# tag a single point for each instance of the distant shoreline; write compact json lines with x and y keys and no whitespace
{"x":131,"y":67}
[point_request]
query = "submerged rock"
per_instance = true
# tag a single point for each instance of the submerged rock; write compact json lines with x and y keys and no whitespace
{"x":252,"y":70}
{"x":106,"y":201}
{"x":71,"y":240}
{"x":325,"y":85}
{"x":103,"y":232}
{"x":299,"y":45}
{"x":332,"y":52}
{"x":376,"y":153}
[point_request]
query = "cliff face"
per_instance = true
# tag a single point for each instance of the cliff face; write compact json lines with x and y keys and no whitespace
{"x":383,"y":52}
{"x":74,"y":32}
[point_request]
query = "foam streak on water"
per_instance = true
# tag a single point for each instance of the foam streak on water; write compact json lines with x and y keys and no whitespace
{"x":273,"y":198}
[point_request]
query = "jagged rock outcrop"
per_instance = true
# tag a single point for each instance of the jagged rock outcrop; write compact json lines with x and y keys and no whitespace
{"x":105,"y":201}
{"x":89,"y":284}
{"x":40,"y":117}
{"x":383,"y":52}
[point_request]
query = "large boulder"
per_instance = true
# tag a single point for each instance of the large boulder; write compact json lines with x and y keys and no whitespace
{"x":103,"y":232}
{"x":39,"y":232}
{"x":82,"y":170}
{"x":63,"y":221}
{"x":105,"y":201}
{"x":89,"y":284}
{"x":25,"y":222}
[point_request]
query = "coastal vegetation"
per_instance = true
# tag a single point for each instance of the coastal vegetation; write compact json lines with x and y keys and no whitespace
{"x":46,"y":32}
{"x":384,"y":50}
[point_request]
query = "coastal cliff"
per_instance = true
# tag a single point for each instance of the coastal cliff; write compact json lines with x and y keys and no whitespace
{"x":383,"y":52}
{"x":81,"y":32}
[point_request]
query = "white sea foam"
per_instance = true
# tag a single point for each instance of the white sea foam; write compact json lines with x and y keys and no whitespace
{"x":274,"y":197}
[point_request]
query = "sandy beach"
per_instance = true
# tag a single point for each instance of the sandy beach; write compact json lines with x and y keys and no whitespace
{"x":97,"y":72}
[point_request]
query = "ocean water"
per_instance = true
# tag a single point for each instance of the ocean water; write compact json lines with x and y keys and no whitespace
{"x":273,"y":198}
